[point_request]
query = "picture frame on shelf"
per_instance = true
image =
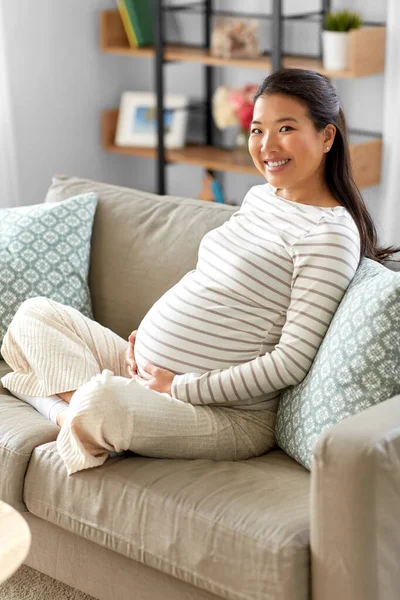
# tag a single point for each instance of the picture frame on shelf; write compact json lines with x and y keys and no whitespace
{"x":137,"y":120}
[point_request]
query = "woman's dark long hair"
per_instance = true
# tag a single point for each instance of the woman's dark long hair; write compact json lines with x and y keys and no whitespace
{"x":323,"y":106}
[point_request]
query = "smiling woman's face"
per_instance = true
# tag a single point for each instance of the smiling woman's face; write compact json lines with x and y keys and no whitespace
{"x":284,"y":144}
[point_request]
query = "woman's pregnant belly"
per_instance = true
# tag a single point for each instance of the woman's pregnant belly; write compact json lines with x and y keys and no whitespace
{"x":193,"y":328}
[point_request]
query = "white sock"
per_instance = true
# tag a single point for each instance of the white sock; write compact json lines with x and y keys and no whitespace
{"x":48,"y":406}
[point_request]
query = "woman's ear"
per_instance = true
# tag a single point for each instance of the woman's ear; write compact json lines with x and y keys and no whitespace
{"x":329,"y":134}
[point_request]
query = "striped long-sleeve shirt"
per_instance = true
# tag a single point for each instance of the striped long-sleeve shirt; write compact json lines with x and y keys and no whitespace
{"x":248,"y":320}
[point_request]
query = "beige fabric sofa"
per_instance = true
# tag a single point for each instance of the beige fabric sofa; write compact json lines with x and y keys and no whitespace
{"x":145,"y":529}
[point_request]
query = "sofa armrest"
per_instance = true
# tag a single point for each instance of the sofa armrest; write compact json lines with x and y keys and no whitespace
{"x":355,"y":507}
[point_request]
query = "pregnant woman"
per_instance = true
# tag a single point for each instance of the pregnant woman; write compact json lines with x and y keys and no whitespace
{"x":213,"y":354}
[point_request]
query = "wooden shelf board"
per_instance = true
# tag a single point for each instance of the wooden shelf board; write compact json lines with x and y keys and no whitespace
{"x":366,"y":54}
{"x":366,"y":156}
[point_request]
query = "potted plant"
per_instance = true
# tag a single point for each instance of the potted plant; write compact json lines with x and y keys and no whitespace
{"x":335,"y":38}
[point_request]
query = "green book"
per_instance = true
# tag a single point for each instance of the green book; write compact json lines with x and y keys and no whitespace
{"x":130,"y":34}
{"x":141,"y":16}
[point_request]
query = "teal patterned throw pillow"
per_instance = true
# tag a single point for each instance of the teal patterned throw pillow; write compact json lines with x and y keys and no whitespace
{"x":356,"y":366}
{"x":45,"y":251}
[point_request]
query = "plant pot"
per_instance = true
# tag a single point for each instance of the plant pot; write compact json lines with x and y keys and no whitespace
{"x":335,"y":50}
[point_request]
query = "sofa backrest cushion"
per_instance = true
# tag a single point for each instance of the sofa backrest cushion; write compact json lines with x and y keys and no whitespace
{"x":142,"y":244}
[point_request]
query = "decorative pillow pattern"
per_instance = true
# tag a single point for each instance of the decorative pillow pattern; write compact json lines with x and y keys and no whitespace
{"x":45,"y":251}
{"x":356,"y":366}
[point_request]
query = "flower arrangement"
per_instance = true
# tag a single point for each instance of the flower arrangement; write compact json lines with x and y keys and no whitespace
{"x":233,"y":107}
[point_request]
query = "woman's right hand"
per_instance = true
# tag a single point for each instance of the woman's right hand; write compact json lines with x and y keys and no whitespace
{"x":130,"y":354}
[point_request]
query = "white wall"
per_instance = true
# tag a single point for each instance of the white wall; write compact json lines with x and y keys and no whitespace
{"x":60,"y":82}
{"x":9,"y":193}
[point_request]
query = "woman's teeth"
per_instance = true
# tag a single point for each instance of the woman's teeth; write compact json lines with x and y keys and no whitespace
{"x":277,"y":163}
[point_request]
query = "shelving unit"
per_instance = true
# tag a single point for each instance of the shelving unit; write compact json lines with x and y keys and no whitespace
{"x":366,"y":51}
{"x":366,"y":57}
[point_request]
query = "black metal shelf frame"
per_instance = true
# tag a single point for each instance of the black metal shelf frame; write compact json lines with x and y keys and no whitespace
{"x":206,"y":8}
{"x":198,"y":8}
{"x":160,"y":61}
{"x":159,"y":86}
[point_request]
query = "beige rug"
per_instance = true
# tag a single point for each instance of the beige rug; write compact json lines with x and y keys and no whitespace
{"x":28,"y":584}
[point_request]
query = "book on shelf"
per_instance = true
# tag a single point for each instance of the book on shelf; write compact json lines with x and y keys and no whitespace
{"x":130,"y":33}
{"x":137,"y":18}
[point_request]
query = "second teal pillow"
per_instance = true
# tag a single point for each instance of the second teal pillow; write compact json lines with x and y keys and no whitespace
{"x":356,"y":366}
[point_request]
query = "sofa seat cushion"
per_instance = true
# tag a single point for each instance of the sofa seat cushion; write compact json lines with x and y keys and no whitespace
{"x":21,"y":430}
{"x":237,"y":529}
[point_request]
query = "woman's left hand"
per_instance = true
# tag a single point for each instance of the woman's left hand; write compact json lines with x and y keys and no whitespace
{"x":160,"y":381}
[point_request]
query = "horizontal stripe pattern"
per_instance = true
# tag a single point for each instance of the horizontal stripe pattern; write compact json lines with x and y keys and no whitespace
{"x":248,"y":321}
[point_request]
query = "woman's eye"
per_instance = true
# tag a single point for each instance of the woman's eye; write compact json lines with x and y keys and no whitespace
{"x":256,"y":130}
{"x":285,"y":128}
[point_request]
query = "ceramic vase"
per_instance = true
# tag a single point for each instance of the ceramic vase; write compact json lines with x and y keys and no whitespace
{"x":335,"y":49}
{"x":241,"y":141}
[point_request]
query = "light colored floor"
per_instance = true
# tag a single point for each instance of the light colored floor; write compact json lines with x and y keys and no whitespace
{"x":28,"y":584}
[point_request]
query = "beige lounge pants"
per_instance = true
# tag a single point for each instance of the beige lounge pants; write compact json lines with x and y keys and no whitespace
{"x":53,"y":348}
